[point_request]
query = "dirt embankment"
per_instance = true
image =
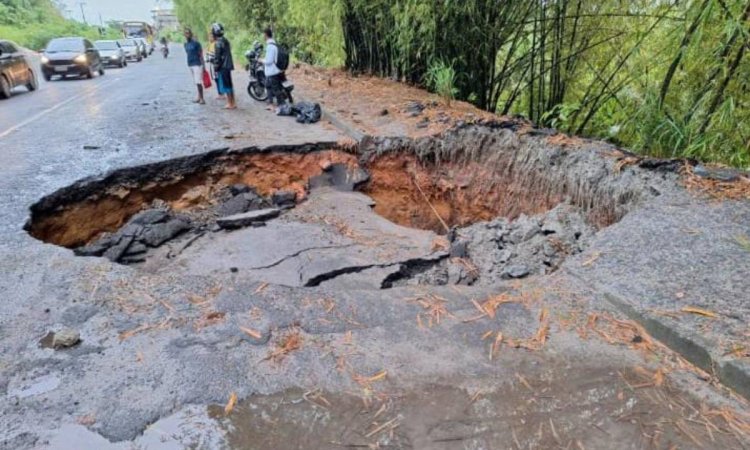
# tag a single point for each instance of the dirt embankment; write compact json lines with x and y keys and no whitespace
{"x":381,"y":107}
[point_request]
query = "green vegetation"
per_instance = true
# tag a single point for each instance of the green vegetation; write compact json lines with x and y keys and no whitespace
{"x":664,"y":77}
{"x":32,"y":23}
{"x":441,"y":79}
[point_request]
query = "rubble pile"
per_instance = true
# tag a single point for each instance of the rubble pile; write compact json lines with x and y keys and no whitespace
{"x":493,"y":251}
{"x":530,"y":245}
{"x":233,"y":207}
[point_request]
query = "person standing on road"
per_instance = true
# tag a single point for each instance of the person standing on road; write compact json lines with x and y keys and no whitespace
{"x":210,"y":57}
{"x":224,"y":65}
{"x":195,"y":63}
{"x":272,"y":71}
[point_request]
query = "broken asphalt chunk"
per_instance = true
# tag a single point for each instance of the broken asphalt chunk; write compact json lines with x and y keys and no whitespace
{"x":116,"y":252}
{"x":149,"y":217}
{"x":242,"y":202}
{"x":157,"y":234}
{"x":284,"y":199}
{"x":247,"y":219}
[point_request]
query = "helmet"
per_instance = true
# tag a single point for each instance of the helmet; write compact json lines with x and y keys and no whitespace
{"x":217,"y":29}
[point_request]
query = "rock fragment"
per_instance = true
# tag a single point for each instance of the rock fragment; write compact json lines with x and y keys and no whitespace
{"x":65,"y":338}
{"x":516,"y":272}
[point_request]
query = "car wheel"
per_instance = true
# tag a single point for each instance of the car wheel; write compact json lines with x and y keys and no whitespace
{"x":32,"y":84}
{"x":101,"y":71}
{"x":4,"y":87}
{"x":90,"y":74}
{"x":125,"y":63}
{"x":47,"y":77}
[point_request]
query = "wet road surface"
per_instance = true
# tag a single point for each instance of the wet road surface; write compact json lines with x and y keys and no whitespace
{"x":164,"y":353}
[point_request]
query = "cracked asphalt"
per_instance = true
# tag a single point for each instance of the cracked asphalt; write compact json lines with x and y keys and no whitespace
{"x":291,"y":318}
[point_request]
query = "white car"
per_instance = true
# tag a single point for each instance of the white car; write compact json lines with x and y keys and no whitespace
{"x":112,"y":53}
{"x":144,"y":46}
{"x":132,"y":49}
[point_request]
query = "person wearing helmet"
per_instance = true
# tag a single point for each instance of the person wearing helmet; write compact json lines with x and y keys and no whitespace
{"x":223,"y":65}
{"x":195,"y":62}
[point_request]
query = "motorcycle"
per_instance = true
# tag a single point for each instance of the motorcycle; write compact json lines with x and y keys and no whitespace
{"x":165,"y":51}
{"x":256,"y":88}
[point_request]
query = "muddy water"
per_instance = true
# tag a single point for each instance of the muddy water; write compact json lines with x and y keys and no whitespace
{"x":561,"y":406}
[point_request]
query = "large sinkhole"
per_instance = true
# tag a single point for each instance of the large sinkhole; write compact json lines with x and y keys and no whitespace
{"x":393,"y":213}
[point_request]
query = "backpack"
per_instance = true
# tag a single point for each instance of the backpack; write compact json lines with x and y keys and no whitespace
{"x":282,"y":57}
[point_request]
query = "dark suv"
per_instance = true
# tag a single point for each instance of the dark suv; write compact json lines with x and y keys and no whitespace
{"x":71,"y":56}
{"x":14,"y":69}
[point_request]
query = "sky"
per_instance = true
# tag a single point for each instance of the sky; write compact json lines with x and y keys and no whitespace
{"x":113,"y":9}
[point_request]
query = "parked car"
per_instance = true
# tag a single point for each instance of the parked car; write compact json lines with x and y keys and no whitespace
{"x":132,"y":49}
{"x":112,"y":53}
{"x":143,"y":45}
{"x":74,"y":56}
{"x":14,"y":69}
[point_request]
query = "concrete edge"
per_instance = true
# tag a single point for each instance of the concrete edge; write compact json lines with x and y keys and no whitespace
{"x":344,"y":127}
{"x":731,"y":373}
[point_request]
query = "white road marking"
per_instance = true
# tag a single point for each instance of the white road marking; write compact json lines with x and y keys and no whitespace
{"x":95,"y":90}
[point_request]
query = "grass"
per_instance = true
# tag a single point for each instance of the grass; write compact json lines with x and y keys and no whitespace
{"x":441,"y":79}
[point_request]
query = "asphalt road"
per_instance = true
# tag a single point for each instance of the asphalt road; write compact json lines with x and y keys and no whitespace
{"x":25,"y":108}
{"x":148,"y":355}
{"x":74,"y":128}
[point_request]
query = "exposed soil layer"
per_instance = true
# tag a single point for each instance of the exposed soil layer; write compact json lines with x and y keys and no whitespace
{"x":467,"y":175}
{"x":501,"y":170}
{"x":416,"y":194}
{"x":184,"y":189}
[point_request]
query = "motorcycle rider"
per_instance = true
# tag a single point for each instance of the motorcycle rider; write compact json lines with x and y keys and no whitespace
{"x":164,"y":46}
{"x":274,"y":76}
{"x":223,"y":64}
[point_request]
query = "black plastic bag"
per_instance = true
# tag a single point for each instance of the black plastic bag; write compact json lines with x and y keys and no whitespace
{"x":308,"y":112}
{"x":286,"y":110}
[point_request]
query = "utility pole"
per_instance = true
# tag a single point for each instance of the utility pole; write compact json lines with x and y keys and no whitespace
{"x":83,"y":15}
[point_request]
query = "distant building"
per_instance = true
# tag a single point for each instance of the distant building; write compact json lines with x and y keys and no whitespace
{"x":165,"y":19}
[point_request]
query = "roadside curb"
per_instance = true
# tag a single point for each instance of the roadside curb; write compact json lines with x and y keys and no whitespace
{"x":732,"y":373}
{"x":344,"y":127}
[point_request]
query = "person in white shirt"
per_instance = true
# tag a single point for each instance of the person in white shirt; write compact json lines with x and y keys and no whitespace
{"x":274,"y":76}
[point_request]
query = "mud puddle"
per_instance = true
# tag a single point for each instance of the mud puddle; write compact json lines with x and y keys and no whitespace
{"x":593,"y":409}
{"x":559,"y":406}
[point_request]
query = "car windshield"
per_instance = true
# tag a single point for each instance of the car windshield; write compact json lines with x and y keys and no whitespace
{"x":127,"y":43}
{"x":106,"y":45}
{"x":65,"y":45}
